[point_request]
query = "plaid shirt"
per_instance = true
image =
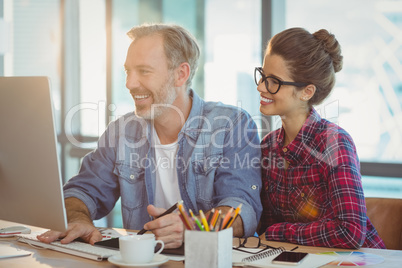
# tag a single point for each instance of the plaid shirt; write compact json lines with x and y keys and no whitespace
{"x":318,"y":200}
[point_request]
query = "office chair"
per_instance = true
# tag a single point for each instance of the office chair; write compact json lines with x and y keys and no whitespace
{"x":386,"y":216}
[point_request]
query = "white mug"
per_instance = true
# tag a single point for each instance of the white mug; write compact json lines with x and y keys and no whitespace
{"x":137,"y":249}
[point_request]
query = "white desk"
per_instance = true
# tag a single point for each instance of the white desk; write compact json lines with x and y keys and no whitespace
{"x":42,"y":258}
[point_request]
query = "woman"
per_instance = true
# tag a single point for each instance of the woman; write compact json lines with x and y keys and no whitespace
{"x":312,"y":191}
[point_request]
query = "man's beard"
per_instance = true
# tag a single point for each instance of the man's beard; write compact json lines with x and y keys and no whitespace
{"x":162,"y":98}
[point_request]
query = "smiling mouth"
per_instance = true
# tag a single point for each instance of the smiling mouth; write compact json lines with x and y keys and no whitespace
{"x":140,"y":97}
{"x":265,"y":99}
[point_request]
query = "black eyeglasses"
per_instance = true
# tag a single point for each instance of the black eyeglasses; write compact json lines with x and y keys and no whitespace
{"x":249,"y":242}
{"x":272,"y":84}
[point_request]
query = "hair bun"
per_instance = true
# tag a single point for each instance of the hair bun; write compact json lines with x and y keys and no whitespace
{"x":331,"y":46}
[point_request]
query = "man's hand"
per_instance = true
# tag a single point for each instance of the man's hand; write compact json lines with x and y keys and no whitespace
{"x":238,"y":228}
{"x":168,"y":228}
{"x":79,"y":225}
{"x":83,"y":230}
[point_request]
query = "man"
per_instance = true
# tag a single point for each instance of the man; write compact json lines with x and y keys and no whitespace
{"x":175,"y":146}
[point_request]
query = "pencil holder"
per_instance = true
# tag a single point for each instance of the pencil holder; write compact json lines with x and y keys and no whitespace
{"x":208,"y":249}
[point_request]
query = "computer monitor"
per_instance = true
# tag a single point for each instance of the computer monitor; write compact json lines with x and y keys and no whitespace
{"x":30,"y":182}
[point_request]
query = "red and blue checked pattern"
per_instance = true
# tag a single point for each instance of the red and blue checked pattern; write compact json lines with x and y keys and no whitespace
{"x":318,"y":199}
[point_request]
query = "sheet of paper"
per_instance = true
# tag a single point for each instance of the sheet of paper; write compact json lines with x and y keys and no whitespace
{"x":7,"y":251}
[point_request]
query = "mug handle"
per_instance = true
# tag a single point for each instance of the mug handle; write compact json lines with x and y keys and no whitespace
{"x":161,"y":247}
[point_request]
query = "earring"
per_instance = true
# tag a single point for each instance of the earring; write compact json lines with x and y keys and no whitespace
{"x":304,"y":98}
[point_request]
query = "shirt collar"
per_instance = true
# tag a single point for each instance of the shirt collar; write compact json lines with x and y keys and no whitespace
{"x":195,"y":119}
{"x":298,"y":149}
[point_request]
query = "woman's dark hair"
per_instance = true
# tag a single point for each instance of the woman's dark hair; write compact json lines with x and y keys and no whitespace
{"x":310,"y":58}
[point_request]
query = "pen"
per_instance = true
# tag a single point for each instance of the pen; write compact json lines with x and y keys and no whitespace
{"x":210,"y":216}
{"x":214,"y":219}
{"x":184,"y":222}
{"x":219,"y":225}
{"x":170,"y":210}
{"x":204,"y":221}
{"x":197,"y":222}
{"x":191,"y":213}
{"x":227,"y":223}
{"x":237,"y":211}
{"x":218,"y":219}
{"x":227,"y":218}
{"x":186,"y":218}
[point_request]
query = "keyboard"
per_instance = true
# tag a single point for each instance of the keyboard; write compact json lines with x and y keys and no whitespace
{"x":76,"y":248}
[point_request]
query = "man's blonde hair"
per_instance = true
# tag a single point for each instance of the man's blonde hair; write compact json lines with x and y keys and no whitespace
{"x":180,"y":46}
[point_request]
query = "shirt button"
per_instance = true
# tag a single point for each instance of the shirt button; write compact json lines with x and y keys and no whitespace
{"x":254,"y":187}
{"x":302,"y":194}
{"x":283,"y":205}
{"x":132,"y":176}
{"x":285,"y":149}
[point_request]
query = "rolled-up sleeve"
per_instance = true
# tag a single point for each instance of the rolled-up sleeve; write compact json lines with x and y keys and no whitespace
{"x":238,"y":180}
{"x":96,"y":185}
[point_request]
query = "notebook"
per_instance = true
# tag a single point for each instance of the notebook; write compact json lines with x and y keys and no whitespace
{"x":264,"y":259}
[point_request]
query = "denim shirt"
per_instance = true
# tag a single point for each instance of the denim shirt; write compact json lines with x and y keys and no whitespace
{"x":218,"y":164}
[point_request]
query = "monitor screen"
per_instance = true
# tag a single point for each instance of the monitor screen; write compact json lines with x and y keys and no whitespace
{"x":30,"y":182}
